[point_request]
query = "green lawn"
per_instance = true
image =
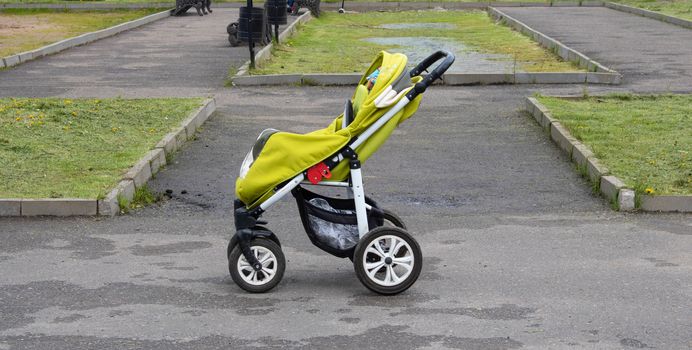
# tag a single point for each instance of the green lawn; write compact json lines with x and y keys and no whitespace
{"x":676,"y":8}
{"x":24,"y":30}
{"x":644,"y":140}
{"x":78,"y":148}
{"x":333,"y":43}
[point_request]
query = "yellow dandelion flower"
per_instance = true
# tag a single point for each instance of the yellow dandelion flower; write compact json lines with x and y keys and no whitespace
{"x":74,"y":113}
{"x":649,"y":190}
{"x":18,"y":119}
{"x":67,"y":101}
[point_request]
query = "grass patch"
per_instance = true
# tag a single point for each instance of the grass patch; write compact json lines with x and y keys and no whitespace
{"x":80,"y":148}
{"x":333,"y":43}
{"x":644,"y":140}
{"x":676,"y":8}
{"x":143,"y":197}
{"x":28,"y":29}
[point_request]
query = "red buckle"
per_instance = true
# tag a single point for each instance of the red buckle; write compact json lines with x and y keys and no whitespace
{"x":317,"y":172}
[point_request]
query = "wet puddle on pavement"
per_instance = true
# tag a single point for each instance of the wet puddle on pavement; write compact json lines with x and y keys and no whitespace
{"x":417,"y":48}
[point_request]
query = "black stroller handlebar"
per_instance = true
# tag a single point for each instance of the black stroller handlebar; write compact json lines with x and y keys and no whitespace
{"x":420,"y":87}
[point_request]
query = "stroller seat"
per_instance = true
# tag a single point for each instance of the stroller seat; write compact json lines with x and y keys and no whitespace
{"x":279,"y":156}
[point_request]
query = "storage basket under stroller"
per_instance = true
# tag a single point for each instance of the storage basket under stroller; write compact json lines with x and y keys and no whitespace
{"x":331,"y":223}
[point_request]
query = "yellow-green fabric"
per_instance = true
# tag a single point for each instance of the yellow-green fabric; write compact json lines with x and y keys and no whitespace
{"x":286,"y":155}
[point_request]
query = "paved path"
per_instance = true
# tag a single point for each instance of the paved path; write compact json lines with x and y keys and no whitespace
{"x":518,"y":252}
{"x":176,"y":56}
{"x":652,"y":55}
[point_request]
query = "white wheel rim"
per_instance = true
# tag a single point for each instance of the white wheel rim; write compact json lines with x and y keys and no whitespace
{"x":261,"y":277}
{"x":400,"y":256}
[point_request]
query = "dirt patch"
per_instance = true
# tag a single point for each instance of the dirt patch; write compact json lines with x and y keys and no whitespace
{"x":18,"y":25}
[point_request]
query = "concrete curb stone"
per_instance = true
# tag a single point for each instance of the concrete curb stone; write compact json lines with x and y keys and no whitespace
{"x":543,"y":116}
{"x":550,"y":78}
{"x":198,"y":117}
{"x":610,"y":186}
{"x":82,"y":39}
{"x":626,"y":199}
{"x":451,"y":79}
{"x":650,"y":14}
{"x":475,"y":79}
{"x":157,"y":160}
{"x":59,"y":207}
{"x":603,"y":78}
{"x":242,"y":78}
{"x":269,"y":79}
{"x":109,"y":206}
{"x":605,"y":75}
{"x":562,"y":137}
{"x":594,"y":170}
{"x":10,"y":207}
{"x":11,"y":60}
{"x":169,"y":143}
{"x":549,"y":43}
{"x":331,"y":79}
{"x":581,"y":154}
{"x":667,"y":203}
{"x":140,"y":173}
{"x":154,"y":160}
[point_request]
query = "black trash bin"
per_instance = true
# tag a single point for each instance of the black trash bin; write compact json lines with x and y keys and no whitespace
{"x":259,"y":24}
{"x":276,"y":12}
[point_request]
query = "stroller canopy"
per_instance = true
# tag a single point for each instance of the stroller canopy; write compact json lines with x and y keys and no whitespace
{"x":284,"y":155}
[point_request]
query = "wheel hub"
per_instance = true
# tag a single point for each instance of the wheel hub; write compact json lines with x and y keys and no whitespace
{"x":388,"y":260}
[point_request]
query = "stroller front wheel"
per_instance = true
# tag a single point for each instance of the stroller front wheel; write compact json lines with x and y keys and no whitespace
{"x":387,"y":260}
{"x":246,"y":277}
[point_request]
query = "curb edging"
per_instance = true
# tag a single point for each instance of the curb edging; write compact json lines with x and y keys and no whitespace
{"x":450,"y":79}
{"x":124,"y":190}
{"x":16,"y":59}
{"x":650,"y":14}
{"x":596,"y":72}
{"x":610,"y":186}
{"x":150,"y":164}
{"x":265,"y":53}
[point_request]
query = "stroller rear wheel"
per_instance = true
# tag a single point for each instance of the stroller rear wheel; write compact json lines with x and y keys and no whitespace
{"x":273,"y":263}
{"x":387,"y":260}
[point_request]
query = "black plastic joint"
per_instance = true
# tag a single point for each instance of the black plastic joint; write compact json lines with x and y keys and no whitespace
{"x":244,"y":219}
{"x":349,"y":153}
{"x":355,"y":164}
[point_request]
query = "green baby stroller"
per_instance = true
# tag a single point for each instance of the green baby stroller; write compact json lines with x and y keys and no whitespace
{"x":387,"y":259}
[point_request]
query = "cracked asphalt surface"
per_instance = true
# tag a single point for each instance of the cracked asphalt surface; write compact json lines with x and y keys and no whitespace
{"x":517,"y":251}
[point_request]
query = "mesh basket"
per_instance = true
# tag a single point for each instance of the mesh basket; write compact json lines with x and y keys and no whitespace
{"x":331,"y":223}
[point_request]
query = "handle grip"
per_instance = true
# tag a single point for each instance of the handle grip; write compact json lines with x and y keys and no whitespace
{"x":420,"y":87}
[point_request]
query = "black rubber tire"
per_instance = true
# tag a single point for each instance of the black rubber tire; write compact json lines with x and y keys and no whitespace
{"x":359,"y":253}
{"x":393,"y":219}
{"x":280,"y":268}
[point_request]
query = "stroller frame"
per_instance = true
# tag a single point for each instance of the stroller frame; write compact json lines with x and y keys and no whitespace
{"x":247,"y":221}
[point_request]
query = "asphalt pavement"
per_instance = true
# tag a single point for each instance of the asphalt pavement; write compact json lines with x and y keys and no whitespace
{"x":518,"y":253}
